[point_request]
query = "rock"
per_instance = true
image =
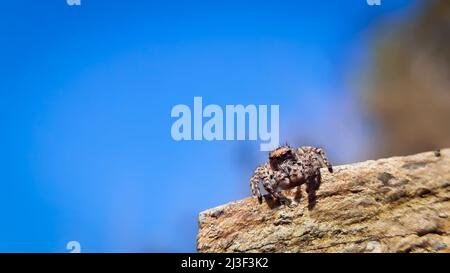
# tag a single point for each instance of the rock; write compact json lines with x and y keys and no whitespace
{"x":398,"y":204}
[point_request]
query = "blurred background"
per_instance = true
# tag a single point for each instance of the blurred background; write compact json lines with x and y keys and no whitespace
{"x":86,"y":92}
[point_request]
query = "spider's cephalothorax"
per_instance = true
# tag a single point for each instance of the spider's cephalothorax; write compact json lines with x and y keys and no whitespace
{"x":289,"y":168}
{"x":280,"y":156}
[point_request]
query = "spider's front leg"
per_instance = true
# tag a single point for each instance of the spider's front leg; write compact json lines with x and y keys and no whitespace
{"x":257,"y":177}
{"x":292,"y":178}
{"x":270,"y":185}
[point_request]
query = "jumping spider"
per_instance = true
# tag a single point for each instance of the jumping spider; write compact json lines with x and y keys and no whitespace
{"x":289,"y":168}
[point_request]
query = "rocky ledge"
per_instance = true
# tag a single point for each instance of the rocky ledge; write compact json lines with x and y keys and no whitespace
{"x":398,"y":204}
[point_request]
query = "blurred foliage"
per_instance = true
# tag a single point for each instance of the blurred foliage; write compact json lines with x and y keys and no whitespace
{"x":408,"y":93}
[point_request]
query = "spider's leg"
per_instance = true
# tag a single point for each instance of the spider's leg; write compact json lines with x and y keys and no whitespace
{"x":313,"y":183}
{"x":318,"y":181}
{"x":309,"y":185}
{"x":268,"y":186}
{"x":297,"y":176}
{"x":298,"y":194}
{"x":323,"y":159}
{"x":254,"y":183}
{"x":302,"y":150}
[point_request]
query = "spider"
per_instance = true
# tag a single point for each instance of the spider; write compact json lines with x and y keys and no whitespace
{"x":289,"y":168}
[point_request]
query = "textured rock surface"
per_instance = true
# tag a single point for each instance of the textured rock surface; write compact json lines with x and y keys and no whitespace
{"x":398,"y":204}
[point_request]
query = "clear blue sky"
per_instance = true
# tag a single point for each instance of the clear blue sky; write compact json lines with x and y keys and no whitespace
{"x":86,"y":93}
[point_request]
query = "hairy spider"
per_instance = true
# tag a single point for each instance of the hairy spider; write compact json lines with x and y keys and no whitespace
{"x":289,"y":168}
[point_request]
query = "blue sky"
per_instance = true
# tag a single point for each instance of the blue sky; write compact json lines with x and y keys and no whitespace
{"x":85,"y":99}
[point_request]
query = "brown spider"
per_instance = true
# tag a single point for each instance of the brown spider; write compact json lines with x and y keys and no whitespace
{"x":289,"y":168}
